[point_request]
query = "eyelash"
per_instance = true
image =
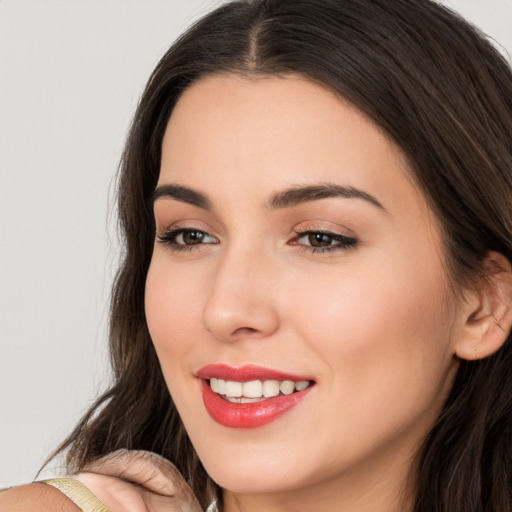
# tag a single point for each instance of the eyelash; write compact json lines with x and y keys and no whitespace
{"x":342,"y":242}
{"x":169,"y":239}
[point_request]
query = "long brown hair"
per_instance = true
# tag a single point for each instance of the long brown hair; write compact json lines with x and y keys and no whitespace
{"x":444,"y":95}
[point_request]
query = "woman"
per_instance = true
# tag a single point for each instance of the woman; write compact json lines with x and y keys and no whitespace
{"x":315,"y":198}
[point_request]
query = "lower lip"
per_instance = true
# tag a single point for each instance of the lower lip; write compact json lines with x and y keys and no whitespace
{"x":250,"y":415}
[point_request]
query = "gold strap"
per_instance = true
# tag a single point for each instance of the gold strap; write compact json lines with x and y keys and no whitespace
{"x":78,"y":493}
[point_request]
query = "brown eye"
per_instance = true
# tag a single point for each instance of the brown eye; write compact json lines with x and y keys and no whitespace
{"x":179,"y":239}
{"x":319,"y":240}
{"x":191,"y":237}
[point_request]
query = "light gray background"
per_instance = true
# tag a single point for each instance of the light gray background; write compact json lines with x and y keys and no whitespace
{"x":71,"y":72}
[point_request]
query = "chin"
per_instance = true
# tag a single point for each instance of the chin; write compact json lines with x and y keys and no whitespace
{"x":254,"y":469}
{"x":252,"y":482}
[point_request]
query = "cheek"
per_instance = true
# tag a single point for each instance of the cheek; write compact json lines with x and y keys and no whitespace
{"x":172,"y":311}
{"x":379,"y":335}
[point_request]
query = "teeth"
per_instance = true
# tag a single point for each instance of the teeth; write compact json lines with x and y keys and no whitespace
{"x":270,"y":388}
{"x":256,"y":388}
{"x":233,"y":389}
{"x":252,"y":389}
{"x":287,"y":387}
{"x":218,"y":385}
{"x":303,"y":384}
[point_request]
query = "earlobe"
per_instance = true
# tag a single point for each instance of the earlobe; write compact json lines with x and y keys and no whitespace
{"x":488,"y":311}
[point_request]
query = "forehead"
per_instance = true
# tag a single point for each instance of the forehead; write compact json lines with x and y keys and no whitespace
{"x":264,"y":102}
{"x":230,"y":132}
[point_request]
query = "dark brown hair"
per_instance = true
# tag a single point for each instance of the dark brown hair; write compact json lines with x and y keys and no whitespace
{"x":444,"y":95}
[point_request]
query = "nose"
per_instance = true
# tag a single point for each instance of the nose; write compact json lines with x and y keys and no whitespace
{"x":239,"y":303}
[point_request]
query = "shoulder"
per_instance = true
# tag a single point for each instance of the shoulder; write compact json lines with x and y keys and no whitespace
{"x":36,"y":497}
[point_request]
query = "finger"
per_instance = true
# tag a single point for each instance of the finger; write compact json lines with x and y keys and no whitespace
{"x":144,"y":468}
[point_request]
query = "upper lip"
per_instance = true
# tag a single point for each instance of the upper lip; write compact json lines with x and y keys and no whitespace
{"x":246,"y":373}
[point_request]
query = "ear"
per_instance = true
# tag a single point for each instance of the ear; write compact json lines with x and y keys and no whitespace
{"x":487,"y":312}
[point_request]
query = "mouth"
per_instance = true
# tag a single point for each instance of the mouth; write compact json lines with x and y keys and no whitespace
{"x":250,"y":396}
{"x":255,"y":390}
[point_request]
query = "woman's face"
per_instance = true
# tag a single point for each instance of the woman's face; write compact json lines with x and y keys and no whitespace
{"x":292,"y":245}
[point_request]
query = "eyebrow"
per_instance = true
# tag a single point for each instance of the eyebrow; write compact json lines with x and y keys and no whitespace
{"x":298,"y":195}
{"x":285,"y":199}
{"x":183,"y":194}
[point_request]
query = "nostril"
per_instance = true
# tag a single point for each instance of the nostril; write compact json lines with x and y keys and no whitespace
{"x":245,"y":330}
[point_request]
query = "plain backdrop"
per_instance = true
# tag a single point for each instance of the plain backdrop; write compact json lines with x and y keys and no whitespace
{"x":71,"y":72}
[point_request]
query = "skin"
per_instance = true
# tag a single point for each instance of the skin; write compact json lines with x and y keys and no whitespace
{"x":35,"y":497}
{"x":373,"y":323}
{"x":123,"y":481}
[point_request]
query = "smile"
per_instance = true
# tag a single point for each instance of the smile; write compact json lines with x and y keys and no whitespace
{"x":255,"y":390}
{"x":250,"y":396}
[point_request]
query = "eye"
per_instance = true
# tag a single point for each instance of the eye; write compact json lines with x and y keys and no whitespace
{"x":185,"y":239}
{"x":323,"y":241}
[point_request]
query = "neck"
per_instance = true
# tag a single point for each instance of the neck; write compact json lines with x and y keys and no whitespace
{"x":385,"y":487}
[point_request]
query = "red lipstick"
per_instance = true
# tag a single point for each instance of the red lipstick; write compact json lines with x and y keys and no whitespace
{"x":248,"y":415}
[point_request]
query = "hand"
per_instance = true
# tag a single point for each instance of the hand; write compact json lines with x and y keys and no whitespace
{"x":138,"y":481}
